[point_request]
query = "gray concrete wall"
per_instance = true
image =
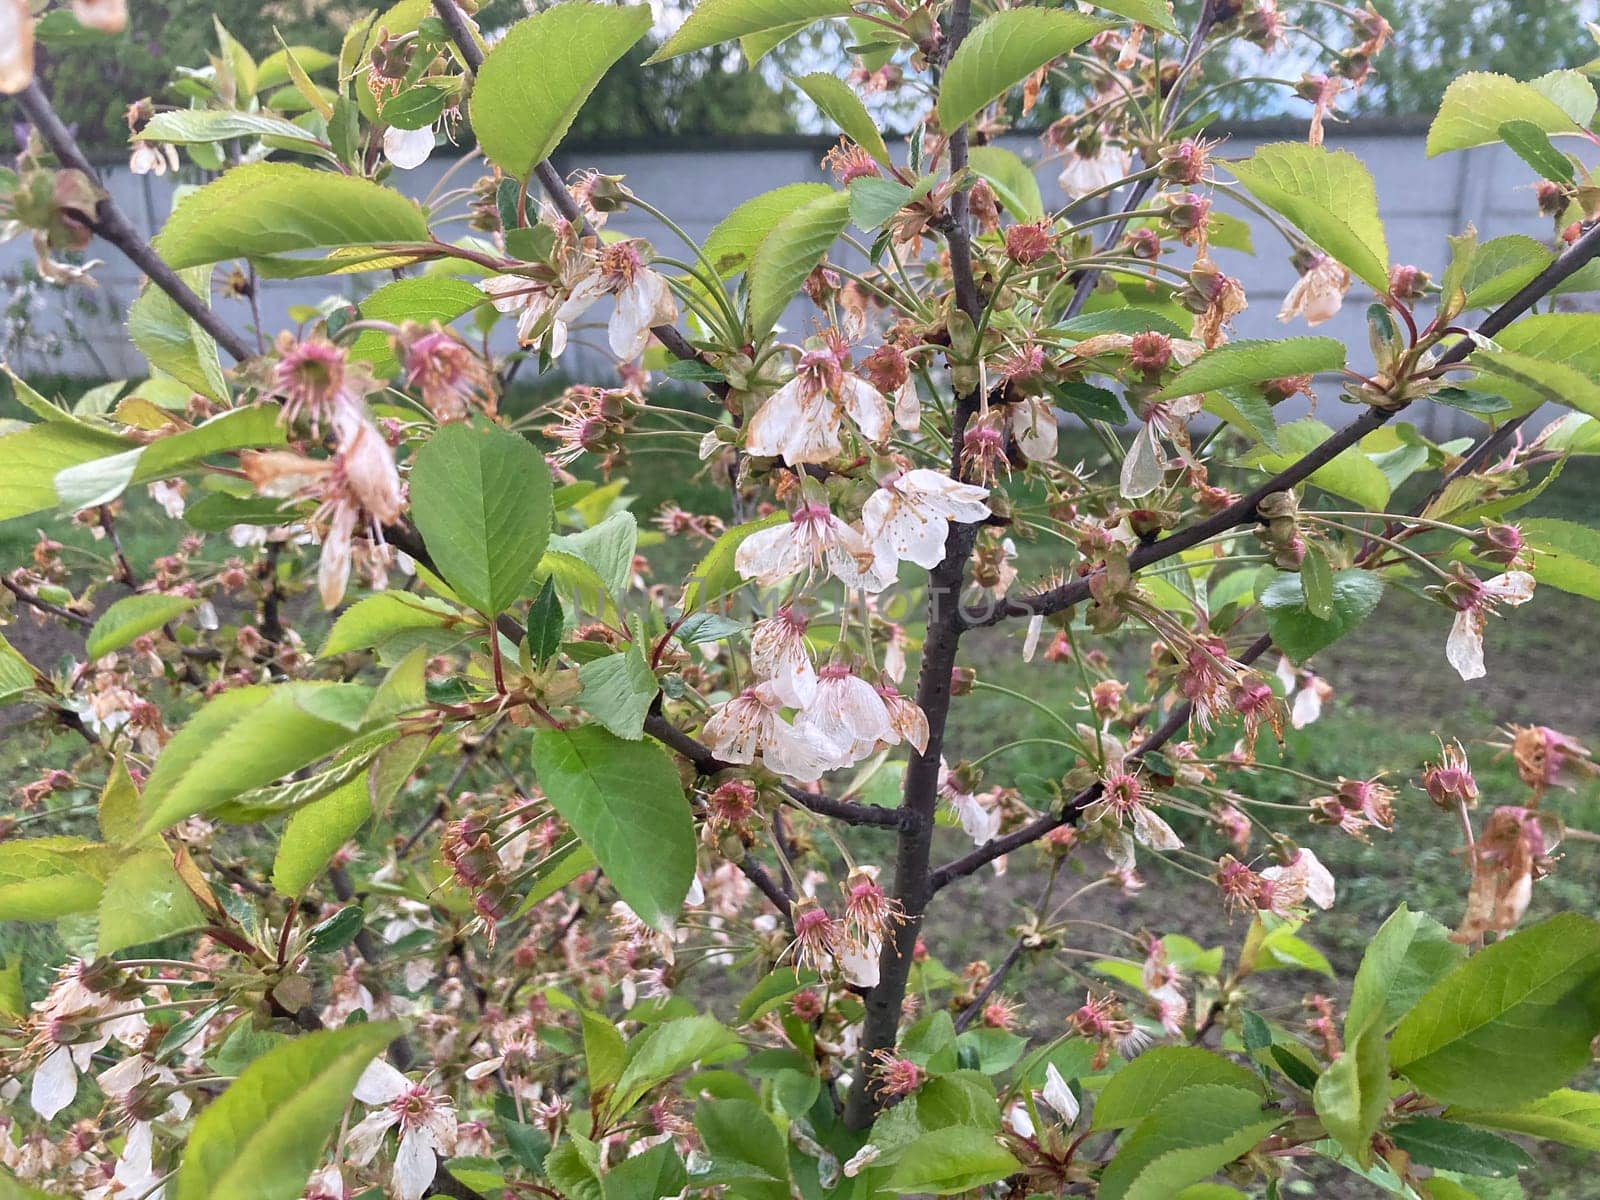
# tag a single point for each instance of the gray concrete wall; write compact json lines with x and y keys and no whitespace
{"x":1422,"y":201}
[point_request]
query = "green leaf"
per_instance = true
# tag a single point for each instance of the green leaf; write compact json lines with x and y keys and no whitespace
{"x":1565,"y":1116}
{"x":536,"y":78}
{"x":314,"y":834}
{"x":144,"y":901}
{"x":657,"y":1172}
{"x":1316,"y":582}
{"x":10,"y":1188}
{"x":1136,"y":1089}
{"x":1155,"y":13}
{"x":278,"y":68}
{"x":1442,"y":1144}
{"x":603,"y":1050}
{"x":1477,"y":104}
{"x":608,"y":547}
{"x":796,"y":243}
{"x":557,"y":869}
{"x":119,"y":814}
{"x":1087,"y":402}
{"x":714,"y":577}
{"x":734,"y":239}
{"x":1352,"y":1095}
{"x":1511,"y":1023}
{"x":1351,"y":474}
{"x":949,"y":1161}
{"x":378,"y":620}
{"x":262,"y":1138}
{"x":712,"y":22}
{"x":1407,"y":956}
{"x":270,"y":208}
{"x":874,"y":201}
{"x":45,"y":878}
{"x":1299,"y":634}
{"x":1244,"y":362}
{"x":618,"y":691}
{"x":737,"y":1131}
{"x":1329,"y":196}
{"x":172,"y":341}
{"x":34,"y":456}
{"x":422,"y":299}
{"x":480,"y":496}
{"x":132,"y":617}
{"x":188,"y":126}
{"x":840,"y":104}
{"x":664,"y":1050}
{"x":1186,"y":1137}
{"x":244,"y":739}
{"x":621,"y":797}
{"x":1501,"y":268}
{"x":1568,"y":555}
{"x":1004,"y":50}
{"x":1014,"y":183}
{"x":1532,"y":145}
{"x":1528,"y":367}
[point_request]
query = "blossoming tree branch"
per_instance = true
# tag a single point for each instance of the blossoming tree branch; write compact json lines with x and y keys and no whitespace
{"x":413,"y":820}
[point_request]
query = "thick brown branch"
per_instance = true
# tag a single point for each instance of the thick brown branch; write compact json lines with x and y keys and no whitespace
{"x":112,"y":224}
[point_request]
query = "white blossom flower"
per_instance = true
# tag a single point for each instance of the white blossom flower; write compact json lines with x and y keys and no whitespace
{"x":1058,"y":1095}
{"x":751,"y":723}
{"x":800,"y":422}
{"x":847,"y":712}
{"x":1318,"y":293}
{"x":1106,"y":166}
{"x":779,"y":655}
{"x":1146,"y":461}
{"x":813,"y":537}
{"x":908,"y":517}
{"x":643,"y":299}
{"x":1303,"y":878}
{"x":426,"y":1122}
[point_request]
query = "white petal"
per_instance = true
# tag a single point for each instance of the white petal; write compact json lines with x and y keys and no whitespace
{"x":866,"y":406}
{"x":770,"y":556}
{"x":1019,"y":1121}
{"x":860,"y":967}
{"x":55,"y":1083}
{"x":1141,"y":468}
{"x":1152,"y":831}
{"x":407,"y":148}
{"x":1464,"y":647}
{"x":367,"y":1136}
{"x":1030,"y":643}
{"x":1058,"y":1095}
{"x":380,"y":1083}
{"x":414,"y":1166}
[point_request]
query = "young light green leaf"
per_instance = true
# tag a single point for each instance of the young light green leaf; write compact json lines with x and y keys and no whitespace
{"x":1352,"y":1095}
{"x":1476,"y":104}
{"x":144,"y":901}
{"x":272,"y":208}
{"x":1002,"y":51}
{"x":480,"y":496}
{"x":1329,"y":196}
{"x":1566,"y":1116}
{"x":664,"y":1050}
{"x":244,"y":739}
{"x":734,"y":239}
{"x":1533,"y":146}
{"x":789,"y":252}
{"x":607,"y":547}
{"x":840,"y":104}
{"x":191,"y":125}
{"x":536,"y":78}
{"x":712,"y":22}
{"x":384,"y":619}
{"x":172,"y":341}
{"x":1501,"y":267}
{"x":35,"y":455}
{"x":619,"y":796}
{"x":314,"y":834}
{"x":1014,"y":183}
{"x":1133,"y":1091}
{"x":132,"y":617}
{"x":1509,"y":1024}
{"x":1568,"y":555}
{"x":873,"y":201}
{"x":45,"y":878}
{"x":1235,"y":364}
{"x":261,"y":1139}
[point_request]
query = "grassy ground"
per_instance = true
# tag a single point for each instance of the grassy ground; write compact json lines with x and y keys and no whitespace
{"x":1395,"y":697}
